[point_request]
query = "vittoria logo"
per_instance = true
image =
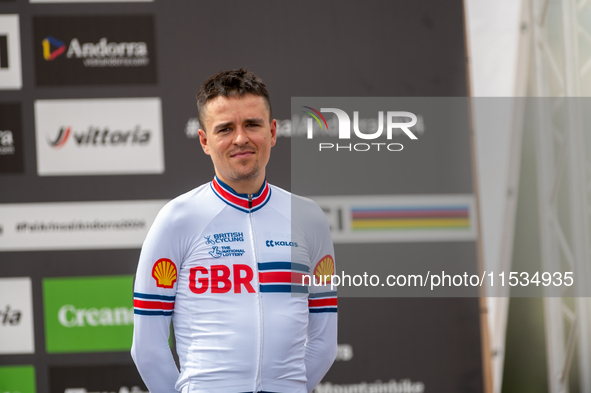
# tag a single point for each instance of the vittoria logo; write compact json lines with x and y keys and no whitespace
{"x":99,"y":136}
{"x":59,"y":48}
{"x":164,"y":272}
{"x":120,"y":49}
{"x":95,"y":136}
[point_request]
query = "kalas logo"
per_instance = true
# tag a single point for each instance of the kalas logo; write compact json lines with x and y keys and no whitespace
{"x":393,"y":119}
{"x":59,"y":46}
{"x":96,"y":136}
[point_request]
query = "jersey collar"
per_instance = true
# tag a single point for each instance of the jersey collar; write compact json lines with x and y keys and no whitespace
{"x":240,"y":201}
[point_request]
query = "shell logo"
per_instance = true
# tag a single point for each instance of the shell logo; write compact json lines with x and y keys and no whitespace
{"x":164,"y":272}
{"x":324,"y":267}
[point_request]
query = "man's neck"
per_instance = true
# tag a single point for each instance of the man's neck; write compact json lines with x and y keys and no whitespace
{"x":250,"y":186}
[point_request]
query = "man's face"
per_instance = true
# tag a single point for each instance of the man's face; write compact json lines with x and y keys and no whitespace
{"x":239,"y":138}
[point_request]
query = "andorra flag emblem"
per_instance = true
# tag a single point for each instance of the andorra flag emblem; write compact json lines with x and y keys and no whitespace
{"x":324,"y":268}
{"x":164,"y":272}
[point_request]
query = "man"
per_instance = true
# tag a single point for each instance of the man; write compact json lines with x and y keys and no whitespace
{"x":225,"y":262}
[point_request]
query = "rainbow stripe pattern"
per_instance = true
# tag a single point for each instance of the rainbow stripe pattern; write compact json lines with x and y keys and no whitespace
{"x":410,"y":218}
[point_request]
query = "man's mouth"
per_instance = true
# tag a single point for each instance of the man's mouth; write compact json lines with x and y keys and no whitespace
{"x":242,"y":154}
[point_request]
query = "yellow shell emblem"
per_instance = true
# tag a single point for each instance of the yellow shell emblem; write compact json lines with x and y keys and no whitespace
{"x":324,"y":267}
{"x":164,"y":272}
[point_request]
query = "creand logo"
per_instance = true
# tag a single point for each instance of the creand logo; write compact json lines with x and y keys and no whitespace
{"x":395,"y":121}
{"x":96,"y":136}
{"x":70,"y":316}
{"x":99,"y":54}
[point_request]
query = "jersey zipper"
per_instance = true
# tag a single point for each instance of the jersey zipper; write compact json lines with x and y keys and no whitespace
{"x":256,"y":265}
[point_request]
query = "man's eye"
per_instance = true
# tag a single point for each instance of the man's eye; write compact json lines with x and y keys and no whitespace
{"x":253,"y":125}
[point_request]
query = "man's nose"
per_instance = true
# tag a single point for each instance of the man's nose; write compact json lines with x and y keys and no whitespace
{"x":240,"y":137}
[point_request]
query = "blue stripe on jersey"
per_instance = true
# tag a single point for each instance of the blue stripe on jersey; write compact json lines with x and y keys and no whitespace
{"x":283,"y":266}
{"x":153,"y":312}
{"x":153,"y":297}
{"x":323,"y":294}
{"x":319,"y":310}
{"x":283,"y":288}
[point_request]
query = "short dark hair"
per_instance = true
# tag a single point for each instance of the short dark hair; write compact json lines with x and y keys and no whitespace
{"x":238,"y":82}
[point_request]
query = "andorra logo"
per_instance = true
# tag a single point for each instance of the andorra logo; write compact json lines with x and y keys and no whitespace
{"x":324,"y":269}
{"x":164,"y":272}
{"x":47,"y":43}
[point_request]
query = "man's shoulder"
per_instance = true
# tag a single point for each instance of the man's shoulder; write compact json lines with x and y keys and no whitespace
{"x":190,"y":204}
{"x":296,"y":203}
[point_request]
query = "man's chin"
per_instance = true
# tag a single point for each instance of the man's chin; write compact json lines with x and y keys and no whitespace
{"x":245,"y":175}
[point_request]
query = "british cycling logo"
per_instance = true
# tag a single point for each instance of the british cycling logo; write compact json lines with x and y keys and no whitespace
{"x":101,"y":136}
{"x":273,"y":243}
{"x":395,"y":120}
{"x":227,"y":237}
{"x":225,"y":251}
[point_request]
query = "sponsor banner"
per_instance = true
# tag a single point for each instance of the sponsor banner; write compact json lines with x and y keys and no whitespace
{"x":400,"y":218}
{"x":88,"y":314}
{"x":90,"y":1}
{"x":116,"y":50}
{"x":11,"y":139}
{"x":16,"y":316}
{"x":90,"y":379}
{"x":99,"y":136}
{"x":17,"y":379}
{"x":391,"y":386}
{"x":76,"y":225}
{"x":10,"y":53}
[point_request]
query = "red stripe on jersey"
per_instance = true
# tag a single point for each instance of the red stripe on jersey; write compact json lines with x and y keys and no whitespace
{"x":239,"y":201}
{"x":287,"y":277}
{"x":153,"y":305}
{"x":322,"y":302}
{"x":231,"y":198}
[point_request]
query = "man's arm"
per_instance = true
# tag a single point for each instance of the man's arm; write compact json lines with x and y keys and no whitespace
{"x":154,"y":296}
{"x":321,"y":343}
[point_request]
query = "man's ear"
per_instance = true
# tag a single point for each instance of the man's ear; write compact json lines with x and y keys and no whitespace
{"x":273,"y":132}
{"x":203,"y":140}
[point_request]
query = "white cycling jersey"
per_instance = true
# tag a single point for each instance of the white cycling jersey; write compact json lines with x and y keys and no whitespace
{"x":228,"y":269}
